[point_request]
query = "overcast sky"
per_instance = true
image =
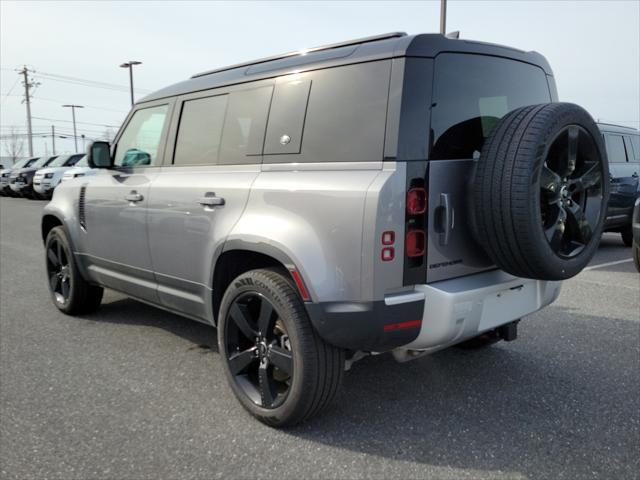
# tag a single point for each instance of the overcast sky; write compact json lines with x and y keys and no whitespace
{"x":593,"y":47}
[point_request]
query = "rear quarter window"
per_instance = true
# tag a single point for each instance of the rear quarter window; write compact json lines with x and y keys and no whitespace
{"x":471,"y":93}
{"x":344,"y":119}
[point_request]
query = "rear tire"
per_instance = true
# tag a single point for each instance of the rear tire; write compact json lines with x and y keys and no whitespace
{"x":278,"y":367}
{"x":70,"y":293}
{"x":627,"y":236}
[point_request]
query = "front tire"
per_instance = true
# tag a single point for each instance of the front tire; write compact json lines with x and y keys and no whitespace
{"x":70,"y":293}
{"x":278,"y":367}
{"x":627,"y":236}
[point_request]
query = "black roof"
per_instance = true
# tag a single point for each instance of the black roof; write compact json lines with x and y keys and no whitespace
{"x":391,"y":45}
{"x":610,"y":127}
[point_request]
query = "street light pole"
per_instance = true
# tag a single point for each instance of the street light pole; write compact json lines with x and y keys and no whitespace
{"x":53,"y":138}
{"x":73,"y":115}
{"x":443,"y":16}
{"x":130,"y":65}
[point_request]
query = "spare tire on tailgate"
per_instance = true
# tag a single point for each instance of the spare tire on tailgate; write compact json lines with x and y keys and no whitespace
{"x":540,"y":191}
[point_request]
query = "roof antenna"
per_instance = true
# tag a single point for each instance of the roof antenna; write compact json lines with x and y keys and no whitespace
{"x":454,"y":35}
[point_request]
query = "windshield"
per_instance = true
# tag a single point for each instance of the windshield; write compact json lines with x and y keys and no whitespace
{"x":43,"y":162}
{"x":29,"y":162}
{"x":83,"y":162}
{"x":21,"y":163}
{"x":58,"y":162}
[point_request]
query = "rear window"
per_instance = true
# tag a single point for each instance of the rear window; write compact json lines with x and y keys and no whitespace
{"x":471,"y":93}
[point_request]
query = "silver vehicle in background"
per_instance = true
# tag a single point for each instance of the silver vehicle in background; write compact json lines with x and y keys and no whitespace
{"x":81,"y":169}
{"x":393,"y":194}
{"x":47,"y":179}
{"x":5,"y":175}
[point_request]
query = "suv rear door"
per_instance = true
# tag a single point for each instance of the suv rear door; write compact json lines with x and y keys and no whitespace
{"x":213,"y":157}
{"x":470,"y":94}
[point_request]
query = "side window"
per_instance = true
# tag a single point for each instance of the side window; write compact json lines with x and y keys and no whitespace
{"x":615,"y":149}
{"x":140,"y":140}
{"x":223,"y":129}
{"x":284,"y":134}
{"x":200,"y":132}
{"x":631,"y":142}
{"x":244,"y":126}
{"x":342,"y":117}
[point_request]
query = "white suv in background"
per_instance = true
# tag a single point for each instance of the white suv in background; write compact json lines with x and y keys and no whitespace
{"x":46,"y":179}
{"x":81,"y":169}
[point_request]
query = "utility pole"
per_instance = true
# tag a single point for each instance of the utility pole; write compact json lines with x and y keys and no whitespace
{"x":130,"y":65}
{"x":27,"y":100}
{"x":73,"y":115}
{"x":53,"y":138}
{"x":443,"y":16}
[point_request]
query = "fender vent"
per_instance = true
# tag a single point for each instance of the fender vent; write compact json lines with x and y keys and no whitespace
{"x":81,"y":214}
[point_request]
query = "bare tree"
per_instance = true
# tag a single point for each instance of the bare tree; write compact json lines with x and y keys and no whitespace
{"x":13,"y":145}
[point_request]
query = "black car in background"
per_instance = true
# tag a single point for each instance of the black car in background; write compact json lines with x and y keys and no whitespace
{"x":623,"y":150}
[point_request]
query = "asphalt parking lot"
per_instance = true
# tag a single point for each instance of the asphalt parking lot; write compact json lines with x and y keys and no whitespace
{"x":133,"y":392}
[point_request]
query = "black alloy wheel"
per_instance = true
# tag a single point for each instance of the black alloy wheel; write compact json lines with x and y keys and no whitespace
{"x":58,"y":271}
{"x":571,"y":191}
{"x":258,"y":350}
{"x":278,"y":367}
{"x":70,"y":292}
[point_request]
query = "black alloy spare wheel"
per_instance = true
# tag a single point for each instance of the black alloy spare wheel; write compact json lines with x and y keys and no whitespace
{"x":540,"y":191}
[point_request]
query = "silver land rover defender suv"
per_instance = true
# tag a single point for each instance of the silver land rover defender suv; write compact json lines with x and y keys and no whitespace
{"x":389,"y":194}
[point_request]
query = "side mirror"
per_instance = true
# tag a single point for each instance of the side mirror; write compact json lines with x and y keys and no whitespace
{"x":99,"y":155}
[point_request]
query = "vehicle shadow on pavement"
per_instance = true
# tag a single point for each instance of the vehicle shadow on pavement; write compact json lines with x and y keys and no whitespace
{"x":562,"y":400}
{"x":539,"y":404}
{"x":126,"y":311}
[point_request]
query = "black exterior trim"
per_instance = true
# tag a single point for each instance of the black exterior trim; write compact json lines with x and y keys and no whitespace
{"x":360,"y":325}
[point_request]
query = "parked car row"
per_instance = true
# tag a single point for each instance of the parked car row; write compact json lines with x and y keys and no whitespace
{"x":37,"y":177}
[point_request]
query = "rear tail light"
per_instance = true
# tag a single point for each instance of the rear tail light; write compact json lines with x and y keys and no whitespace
{"x":416,"y":201}
{"x":415,"y":243}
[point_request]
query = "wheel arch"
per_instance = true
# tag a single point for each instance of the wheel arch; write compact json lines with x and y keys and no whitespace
{"x":49,"y":222}
{"x":238,"y":257}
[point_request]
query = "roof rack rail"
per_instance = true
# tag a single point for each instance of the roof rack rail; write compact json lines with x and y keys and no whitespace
{"x":357,"y":41}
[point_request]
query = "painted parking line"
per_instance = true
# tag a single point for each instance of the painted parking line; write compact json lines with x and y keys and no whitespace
{"x":608,"y":264}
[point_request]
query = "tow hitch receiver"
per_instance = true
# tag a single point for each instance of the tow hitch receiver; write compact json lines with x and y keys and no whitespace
{"x":508,"y":332}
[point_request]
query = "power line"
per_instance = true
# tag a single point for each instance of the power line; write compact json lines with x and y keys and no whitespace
{"x":94,"y":82}
{"x":10,"y":90}
{"x":62,"y":101}
{"x":85,"y":123}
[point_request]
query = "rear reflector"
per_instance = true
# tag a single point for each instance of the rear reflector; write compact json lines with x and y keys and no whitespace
{"x":387,"y":254}
{"x":300,"y":284}
{"x":415,"y":243}
{"x":403,"y":325}
{"x":388,"y":237}
{"x":416,"y":201}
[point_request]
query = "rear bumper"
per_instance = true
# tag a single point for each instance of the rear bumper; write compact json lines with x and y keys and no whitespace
{"x":433,"y":316}
{"x":459,"y":309}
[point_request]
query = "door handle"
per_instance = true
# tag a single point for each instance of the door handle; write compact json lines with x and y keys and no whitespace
{"x":210,"y":200}
{"x":133,"y":197}
{"x":448,"y":222}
